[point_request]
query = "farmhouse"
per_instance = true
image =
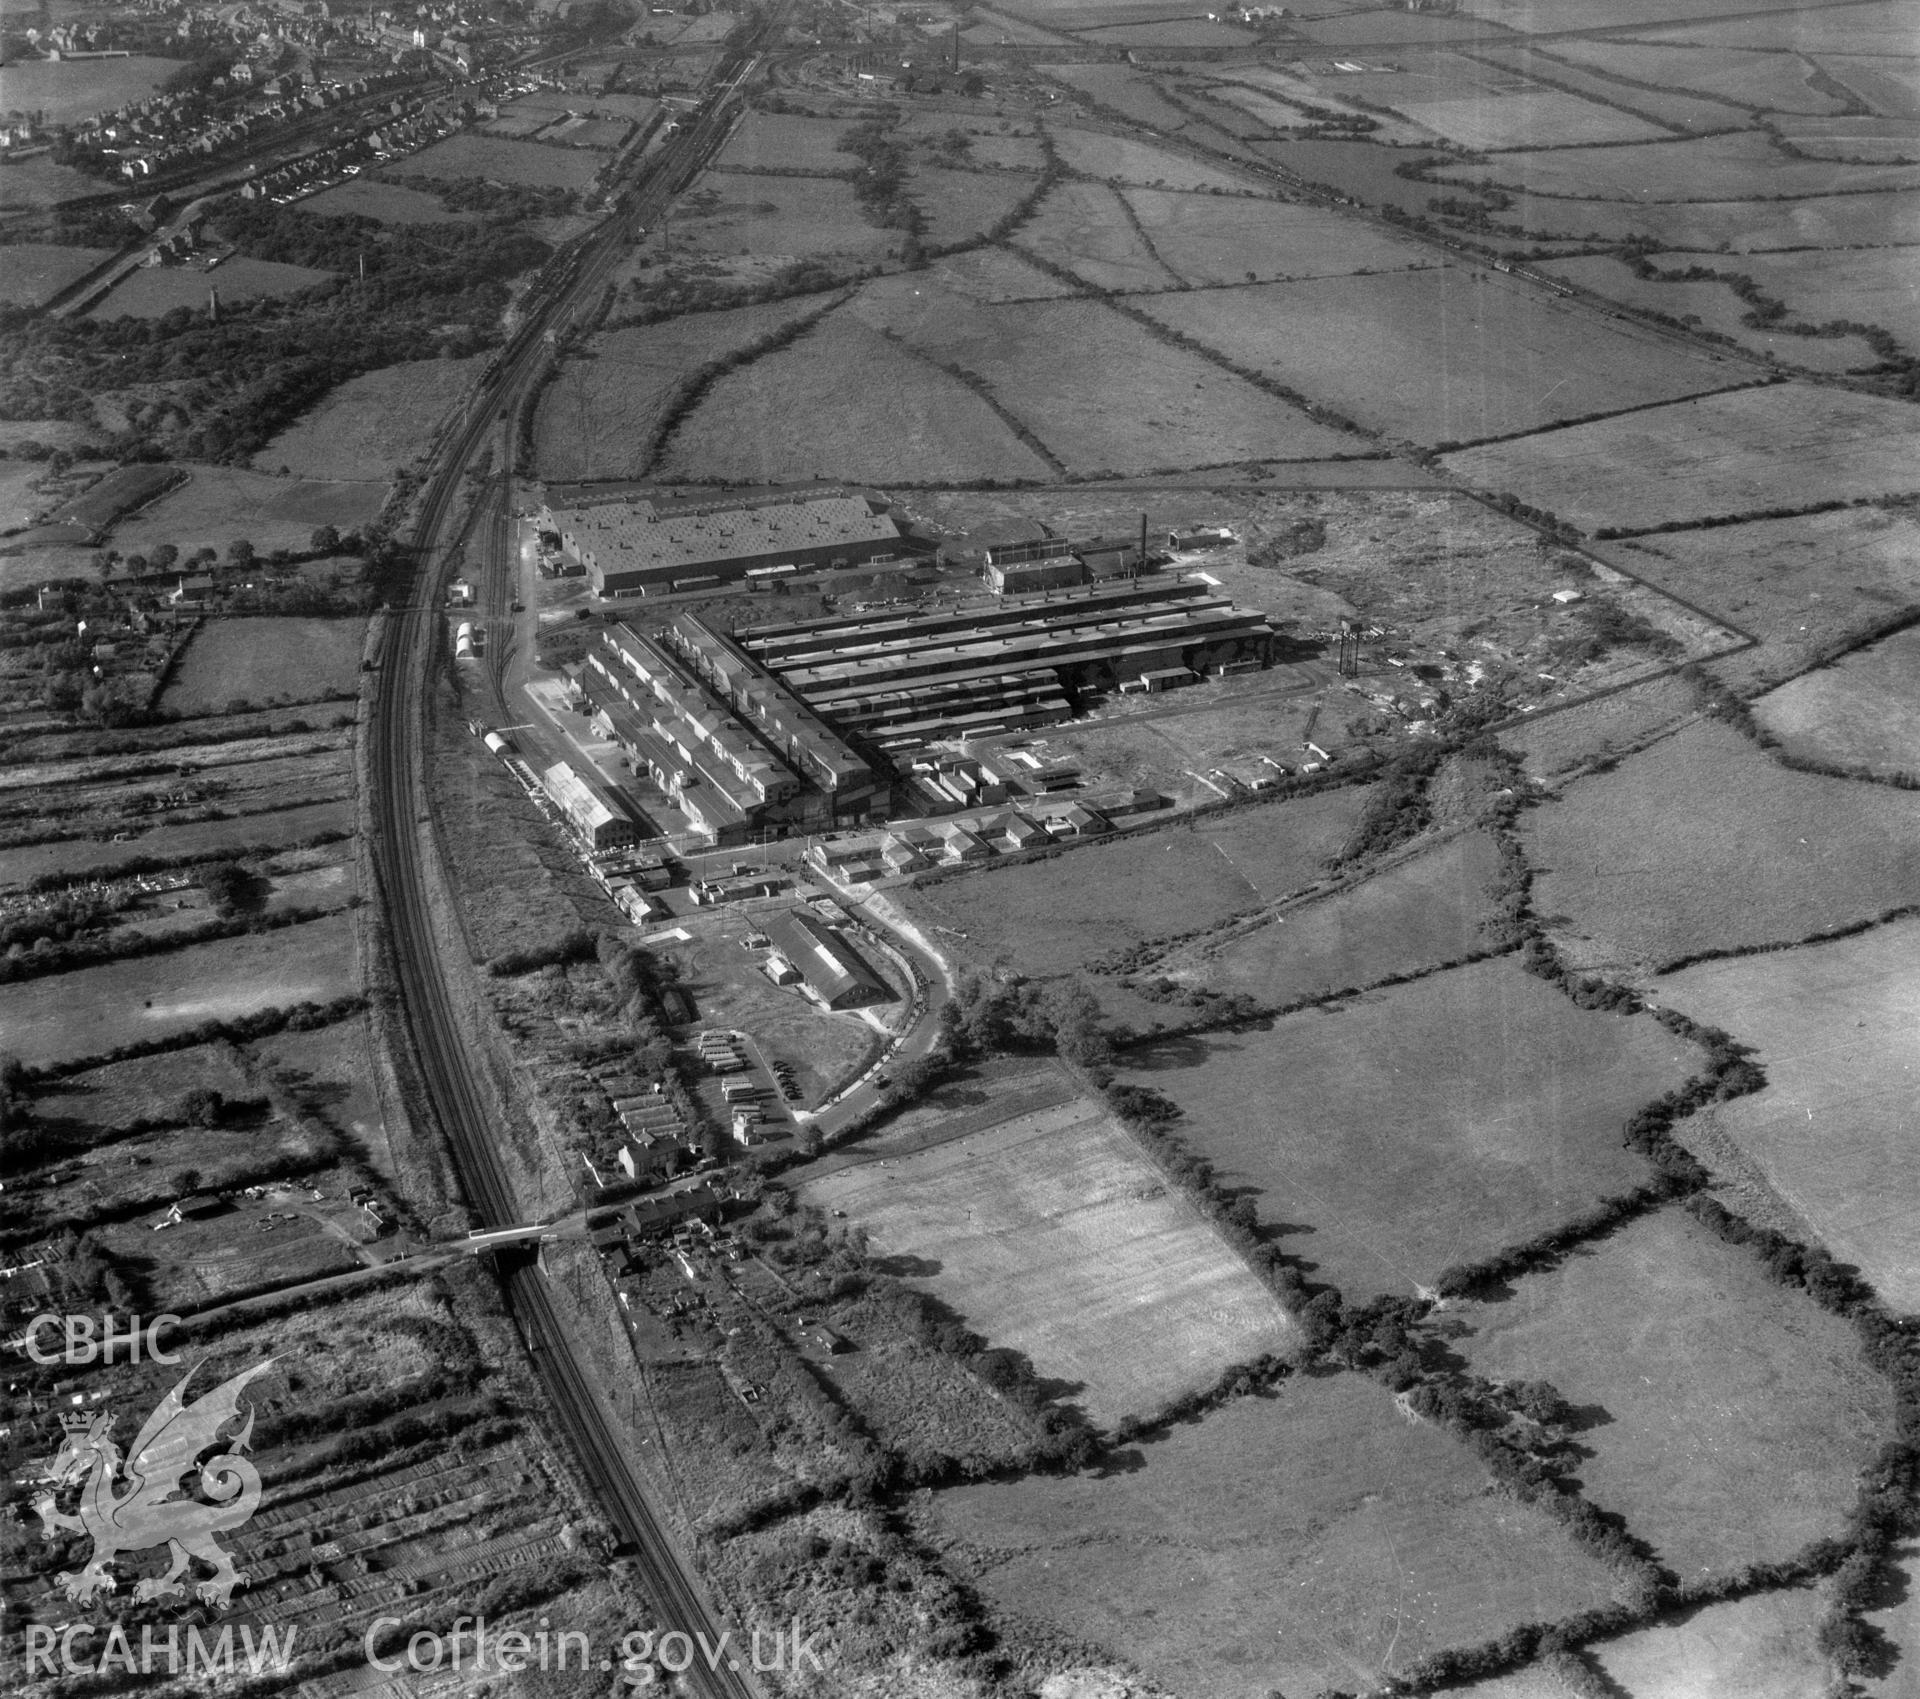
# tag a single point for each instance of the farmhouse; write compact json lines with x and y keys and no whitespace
{"x":832,"y":971}
{"x":649,"y":548}
{"x":590,"y":809}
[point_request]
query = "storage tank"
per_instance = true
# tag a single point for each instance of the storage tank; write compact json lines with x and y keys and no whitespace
{"x":463,"y":632}
{"x":463,"y":650}
{"x":497,"y":743}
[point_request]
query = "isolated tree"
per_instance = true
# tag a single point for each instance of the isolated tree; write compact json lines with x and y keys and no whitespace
{"x":202,"y":1107}
{"x":325,"y":539}
{"x":240,"y":552}
{"x":164,"y":557}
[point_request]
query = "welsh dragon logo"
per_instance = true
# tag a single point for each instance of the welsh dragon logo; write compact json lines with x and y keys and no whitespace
{"x":135,"y":1503}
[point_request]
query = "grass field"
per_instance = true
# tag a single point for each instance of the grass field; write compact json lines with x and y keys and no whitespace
{"x":283,"y":826}
{"x":1209,"y":239}
{"x":1121,"y":160}
{"x":40,"y":183}
{"x":1052,"y":1235}
{"x":67,"y":90}
{"x":1767,"y":82}
{"x":390,"y":203}
{"x":470,"y":155}
{"x":988,"y":274}
{"x":1415,"y":915}
{"x":1102,"y":392}
{"x":1757,"y":1648}
{"x":1702,"y":842}
{"x":1553,"y":743}
{"x":1732,"y":167}
{"x":1731,"y":1415}
{"x":1081,"y":226}
{"x":914,"y":423}
{"x":790,"y":142}
{"x":598,"y":415}
{"x":219,"y":504}
{"x":154,"y":291}
{"x":1685,"y":113}
{"x":294,"y":660}
{"x":1834,"y":1026}
{"x":98,"y":1009}
{"x":772,"y":220}
{"x":1787,"y":580}
{"x":960,"y":205}
{"x":33,"y":272}
{"x":1312,"y":1541}
{"x":1170,"y":32}
{"x":1528,"y":119}
{"x":1862,"y":712}
{"x":1439,"y":355}
{"x":1049,"y":916}
{"x":1716,"y":308}
{"x":1715,"y":454}
{"x":374,"y":423}
{"x":1392,"y":1136}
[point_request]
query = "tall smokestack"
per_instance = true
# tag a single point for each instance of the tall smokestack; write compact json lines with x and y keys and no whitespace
{"x":213,"y":306}
{"x":1140,"y":565}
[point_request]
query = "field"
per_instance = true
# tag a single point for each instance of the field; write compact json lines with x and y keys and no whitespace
{"x":1684,"y":113}
{"x":1102,"y":392}
{"x":33,"y":272}
{"x":1754,"y":1648}
{"x":1052,"y":1235}
{"x":1312,"y":1541}
{"x":1389,"y":1137}
{"x":374,"y":423}
{"x":1777,"y":578}
{"x":1213,"y":240}
{"x":390,"y":203}
{"x":263,"y":660}
{"x":1050,"y":916}
{"x":1120,"y":160}
{"x":1718,"y":309}
{"x":69,"y":90}
{"x":789,"y":142}
{"x":470,"y":155}
{"x":914,"y":423}
{"x":40,"y":183}
{"x":961,"y":205}
{"x":218,"y":504}
{"x":153,"y":291}
{"x":1172,"y":32}
{"x":1553,"y":743}
{"x":1082,"y":226}
{"x":598,"y":416}
{"x":97,"y":1009}
{"x":1529,"y":119}
{"x":990,"y":274}
{"x":1715,"y":454}
{"x":1728,"y":1416}
{"x":1705,"y":168}
{"x":1834,"y":1026}
{"x":1702,"y":842}
{"x":211,"y":838}
{"x":1442,"y":355}
{"x":1416,"y":915}
{"x":1862,"y":712}
{"x":765,"y":222}
{"x":1770,"y":82}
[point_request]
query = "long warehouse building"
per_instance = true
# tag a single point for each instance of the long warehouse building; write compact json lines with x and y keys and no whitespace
{"x":898,"y":684}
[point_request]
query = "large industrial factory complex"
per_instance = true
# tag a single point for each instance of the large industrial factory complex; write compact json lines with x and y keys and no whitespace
{"x":810,"y":726}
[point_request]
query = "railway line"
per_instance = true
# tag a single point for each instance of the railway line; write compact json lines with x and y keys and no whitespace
{"x":456,"y":1100}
